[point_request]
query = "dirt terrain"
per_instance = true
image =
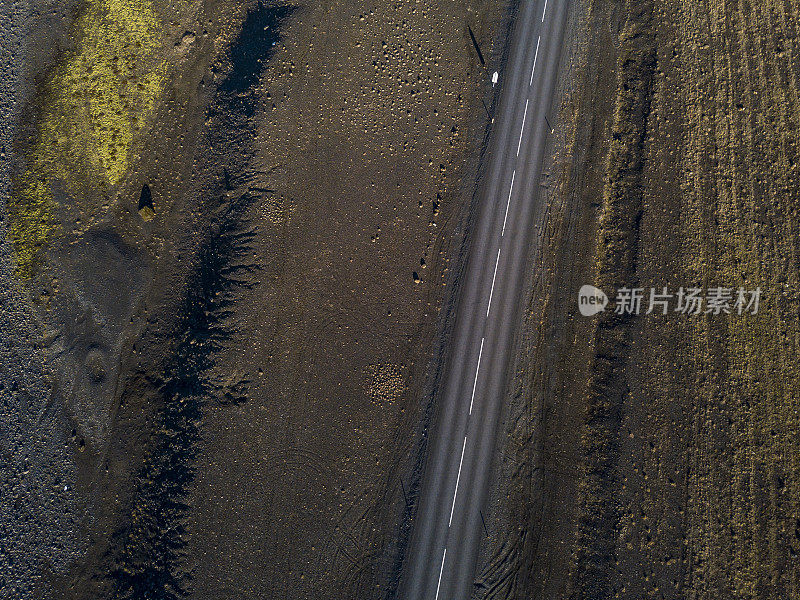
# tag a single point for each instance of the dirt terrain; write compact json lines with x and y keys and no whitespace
{"x":227,"y":228}
{"x":656,"y":456}
{"x":230,"y":223}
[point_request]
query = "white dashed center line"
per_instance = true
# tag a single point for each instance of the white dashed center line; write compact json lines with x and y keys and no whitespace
{"x":489,"y":306}
{"x":477,"y":370}
{"x":491,"y":292}
{"x":535,"y":56}
{"x":438,"y":585}
{"x":522,"y":129}
{"x":508,"y":203}
{"x":458,"y":478}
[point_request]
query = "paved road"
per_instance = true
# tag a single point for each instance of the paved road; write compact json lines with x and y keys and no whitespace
{"x":442,"y":557}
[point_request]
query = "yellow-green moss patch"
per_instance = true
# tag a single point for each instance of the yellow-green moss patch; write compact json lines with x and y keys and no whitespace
{"x":94,"y":104}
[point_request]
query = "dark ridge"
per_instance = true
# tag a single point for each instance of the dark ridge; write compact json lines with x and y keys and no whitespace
{"x":146,"y":556}
{"x":146,"y":198}
{"x":145,"y":559}
{"x":598,"y":527}
{"x":252,"y":49}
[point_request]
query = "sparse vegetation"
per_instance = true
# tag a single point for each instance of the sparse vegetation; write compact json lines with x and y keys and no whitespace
{"x":687,"y":472}
{"x":385,"y":383}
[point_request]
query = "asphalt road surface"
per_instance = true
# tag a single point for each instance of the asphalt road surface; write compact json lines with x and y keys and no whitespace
{"x":441,"y":562}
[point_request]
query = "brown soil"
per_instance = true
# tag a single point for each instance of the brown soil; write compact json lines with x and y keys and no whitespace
{"x":370,"y":114}
{"x":656,"y":455}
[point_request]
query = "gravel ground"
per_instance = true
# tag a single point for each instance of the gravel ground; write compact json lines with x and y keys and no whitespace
{"x":37,"y":505}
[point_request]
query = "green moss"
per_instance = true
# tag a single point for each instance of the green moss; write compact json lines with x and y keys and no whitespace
{"x":94,"y":104}
{"x":30,"y":222}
